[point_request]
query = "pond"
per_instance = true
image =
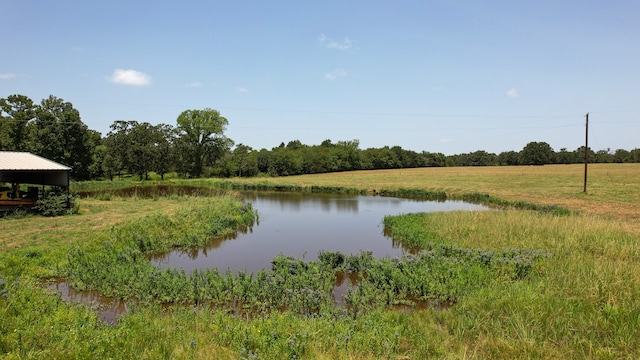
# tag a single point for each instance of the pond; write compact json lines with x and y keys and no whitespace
{"x":295,"y":224}
{"x":301,"y":225}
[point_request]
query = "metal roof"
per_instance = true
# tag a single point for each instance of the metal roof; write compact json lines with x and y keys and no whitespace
{"x":24,"y":161}
{"x":24,"y":167}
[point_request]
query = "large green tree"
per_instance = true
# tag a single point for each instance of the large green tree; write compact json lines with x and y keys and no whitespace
{"x":201,"y":140}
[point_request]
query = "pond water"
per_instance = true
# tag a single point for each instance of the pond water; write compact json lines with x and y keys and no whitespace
{"x":294,"y":224}
{"x":302,"y":224}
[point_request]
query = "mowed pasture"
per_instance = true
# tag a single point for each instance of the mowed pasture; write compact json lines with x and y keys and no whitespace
{"x":613,"y":190}
{"x":581,"y":299}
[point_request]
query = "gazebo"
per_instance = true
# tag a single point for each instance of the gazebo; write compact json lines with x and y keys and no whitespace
{"x":26,"y":168}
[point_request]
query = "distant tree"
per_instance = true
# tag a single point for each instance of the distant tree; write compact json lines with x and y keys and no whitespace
{"x":285,"y":162}
{"x":6,"y":141}
{"x":579,"y":155}
{"x":621,"y":156}
{"x":408,"y":158}
{"x":251,"y":164}
{"x":381,"y":158}
{"x":316,"y":159}
{"x":201,"y":139}
{"x":347,"y":155}
{"x":480,"y":158}
{"x":326,"y":143}
{"x":634,"y":155}
{"x":603,"y":156}
{"x":245,"y":162}
{"x":60,"y":135}
{"x":118,"y":143}
{"x":98,"y":150}
{"x":508,"y":158}
{"x":139,"y":148}
{"x":536,"y":153}
{"x":110,"y":165}
{"x":565,"y":157}
{"x":263,"y":159}
{"x":434,"y":159}
{"x":143,"y":154}
{"x":295,"y":145}
{"x":17,"y":112}
{"x":164,"y":139}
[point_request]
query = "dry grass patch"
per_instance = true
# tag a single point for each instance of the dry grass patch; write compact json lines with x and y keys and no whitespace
{"x":95,"y":215}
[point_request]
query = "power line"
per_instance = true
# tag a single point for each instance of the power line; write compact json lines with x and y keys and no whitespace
{"x":424,"y":115}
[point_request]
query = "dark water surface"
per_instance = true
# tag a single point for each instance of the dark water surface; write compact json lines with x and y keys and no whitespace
{"x":301,"y":225}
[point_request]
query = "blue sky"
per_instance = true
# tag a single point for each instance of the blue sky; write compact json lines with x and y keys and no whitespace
{"x":437,"y":76}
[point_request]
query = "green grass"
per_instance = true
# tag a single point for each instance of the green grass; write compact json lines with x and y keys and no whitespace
{"x":580,"y":299}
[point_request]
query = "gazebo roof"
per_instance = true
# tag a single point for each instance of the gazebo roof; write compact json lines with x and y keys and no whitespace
{"x":24,"y":167}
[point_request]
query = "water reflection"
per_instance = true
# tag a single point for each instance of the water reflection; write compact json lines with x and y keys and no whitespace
{"x":301,"y":225}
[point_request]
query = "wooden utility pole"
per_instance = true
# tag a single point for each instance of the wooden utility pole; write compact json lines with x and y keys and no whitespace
{"x":586,"y":151}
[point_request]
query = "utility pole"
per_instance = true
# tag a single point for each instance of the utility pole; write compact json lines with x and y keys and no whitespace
{"x":586,"y":151}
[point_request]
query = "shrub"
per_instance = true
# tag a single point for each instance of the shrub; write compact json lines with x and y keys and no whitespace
{"x":54,"y":203}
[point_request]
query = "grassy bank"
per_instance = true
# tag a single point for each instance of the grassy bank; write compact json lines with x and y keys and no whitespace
{"x":530,"y":284}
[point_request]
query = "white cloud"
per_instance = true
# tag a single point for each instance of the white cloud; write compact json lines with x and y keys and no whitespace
{"x":445,"y":140}
{"x":512,"y":93}
{"x":335,"y":74}
{"x":345,"y":44}
{"x":7,"y":76}
{"x":242,"y":89}
{"x":130,"y":77}
{"x":194,"y":84}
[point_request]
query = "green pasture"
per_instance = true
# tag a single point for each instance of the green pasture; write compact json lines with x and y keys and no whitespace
{"x":517,"y":281}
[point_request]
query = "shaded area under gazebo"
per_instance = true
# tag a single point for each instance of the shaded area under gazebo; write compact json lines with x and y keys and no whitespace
{"x":25,"y":168}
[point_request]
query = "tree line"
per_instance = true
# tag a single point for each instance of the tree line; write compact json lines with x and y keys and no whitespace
{"x":197,"y":147}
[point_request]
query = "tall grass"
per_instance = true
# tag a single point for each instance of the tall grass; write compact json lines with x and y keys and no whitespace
{"x":580,"y":300}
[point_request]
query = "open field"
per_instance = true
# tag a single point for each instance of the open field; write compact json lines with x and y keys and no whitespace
{"x":580,"y":300}
{"x":613,"y":190}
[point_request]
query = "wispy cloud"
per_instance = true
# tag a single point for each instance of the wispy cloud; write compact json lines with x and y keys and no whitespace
{"x":336,"y":74}
{"x":130,"y":77}
{"x":345,"y":44}
{"x":7,"y":76}
{"x":194,"y":84}
{"x":512,"y":93}
{"x":445,"y":140}
{"x":242,"y":89}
